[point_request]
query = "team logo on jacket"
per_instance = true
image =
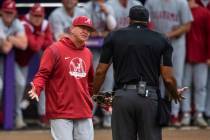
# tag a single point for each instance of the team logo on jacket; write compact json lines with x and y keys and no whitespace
{"x":77,"y":68}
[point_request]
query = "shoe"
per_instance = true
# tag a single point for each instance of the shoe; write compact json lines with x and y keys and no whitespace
{"x":96,"y":121}
{"x":107,"y":121}
{"x":44,"y":122}
{"x":186,"y":119}
{"x":19,"y":123}
{"x":175,"y":122}
{"x":200,"y":121}
{"x":24,"y":104}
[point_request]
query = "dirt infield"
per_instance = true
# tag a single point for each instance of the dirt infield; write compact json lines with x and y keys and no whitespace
{"x":105,"y":134}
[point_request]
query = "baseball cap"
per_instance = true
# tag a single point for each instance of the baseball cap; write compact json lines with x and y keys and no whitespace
{"x":139,"y":13}
{"x":37,"y":10}
{"x":83,"y":21}
{"x":9,"y":6}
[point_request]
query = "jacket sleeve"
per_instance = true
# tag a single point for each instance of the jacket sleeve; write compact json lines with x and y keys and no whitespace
{"x":35,"y":41}
{"x":45,"y":69}
{"x":90,"y":78}
{"x":48,"y":38}
{"x":208,"y":35}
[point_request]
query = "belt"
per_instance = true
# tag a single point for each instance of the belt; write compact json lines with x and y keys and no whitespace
{"x":150,"y":92}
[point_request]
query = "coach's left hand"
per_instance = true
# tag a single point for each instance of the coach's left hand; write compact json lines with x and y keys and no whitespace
{"x":32,"y":93}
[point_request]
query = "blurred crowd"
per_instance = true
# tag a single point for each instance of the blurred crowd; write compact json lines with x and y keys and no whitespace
{"x":186,"y":23}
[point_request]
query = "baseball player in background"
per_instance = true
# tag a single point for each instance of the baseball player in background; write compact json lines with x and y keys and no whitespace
{"x":66,"y":72}
{"x":103,"y":19}
{"x":61,"y":18}
{"x":12,"y":36}
{"x":39,"y":37}
{"x":196,"y":67}
{"x":206,"y":4}
{"x":121,"y":10}
{"x":173,"y":18}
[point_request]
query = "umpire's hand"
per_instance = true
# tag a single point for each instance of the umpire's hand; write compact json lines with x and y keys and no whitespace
{"x":32,"y":93}
{"x":178,"y":97}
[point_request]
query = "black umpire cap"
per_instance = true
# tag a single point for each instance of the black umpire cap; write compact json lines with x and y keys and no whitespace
{"x":139,"y":13}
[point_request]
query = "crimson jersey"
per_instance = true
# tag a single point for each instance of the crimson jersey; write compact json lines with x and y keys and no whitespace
{"x":67,"y":74}
{"x":207,"y":6}
{"x":198,"y":36}
{"x":38,"y":38}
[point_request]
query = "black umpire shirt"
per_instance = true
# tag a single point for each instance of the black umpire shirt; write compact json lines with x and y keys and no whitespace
{"x":136,"y":53}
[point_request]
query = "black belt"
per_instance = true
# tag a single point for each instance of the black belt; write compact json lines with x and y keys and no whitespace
{"x":150,"y":92}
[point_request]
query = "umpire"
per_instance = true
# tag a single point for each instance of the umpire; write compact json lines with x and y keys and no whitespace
{"x":139,"y":57}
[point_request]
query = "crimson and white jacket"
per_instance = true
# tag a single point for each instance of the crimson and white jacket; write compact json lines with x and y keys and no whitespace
{"x":66,"y":72}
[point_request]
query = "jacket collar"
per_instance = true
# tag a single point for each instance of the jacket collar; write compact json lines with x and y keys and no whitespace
{"x":68,"y":42}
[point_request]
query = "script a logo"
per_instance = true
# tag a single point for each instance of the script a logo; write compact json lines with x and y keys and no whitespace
{"x":11,"y":5}
{"x":38,"y":9}
{"x":88,"y":21}
{"x":77,"y":68}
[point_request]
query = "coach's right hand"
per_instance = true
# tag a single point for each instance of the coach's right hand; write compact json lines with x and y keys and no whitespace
{"x":32,"y":93}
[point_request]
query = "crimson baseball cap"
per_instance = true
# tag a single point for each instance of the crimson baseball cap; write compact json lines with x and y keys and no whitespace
{"x":37,"y":10}
{"x":139,"y":13}
{"x":83,"y":21}
{"x":9,"y":6}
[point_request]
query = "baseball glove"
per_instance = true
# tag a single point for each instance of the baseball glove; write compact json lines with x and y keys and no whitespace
{"x":104,"y":98}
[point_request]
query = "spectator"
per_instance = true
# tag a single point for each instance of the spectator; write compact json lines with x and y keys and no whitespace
{"x":173,"y":18}
{"x":196,"y":68}
{"x":39,"y":37}
{"x":61,"y":18}
{"x":103,"y":19}
{"x":12,"y":36}
{"x":121,"y":10}
{"x":206,"y":4}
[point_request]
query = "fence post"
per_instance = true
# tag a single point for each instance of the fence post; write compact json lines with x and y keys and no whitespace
{"x":9,"y":92}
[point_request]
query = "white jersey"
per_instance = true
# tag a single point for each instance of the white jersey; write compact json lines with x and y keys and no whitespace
{"x":99,"y":18}
{"x":16,"y":28}
{"x":166,"y":15}
{"x":60,"y":20}
{"x":121,"y":13}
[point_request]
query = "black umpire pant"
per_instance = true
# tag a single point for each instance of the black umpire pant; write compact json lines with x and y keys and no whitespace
{"x":134,"y":114}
